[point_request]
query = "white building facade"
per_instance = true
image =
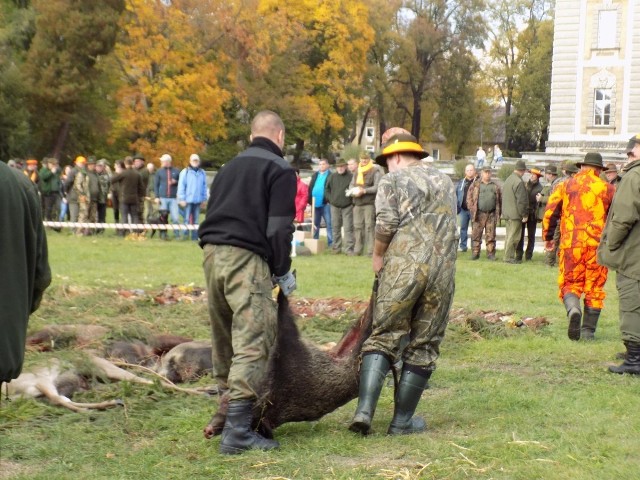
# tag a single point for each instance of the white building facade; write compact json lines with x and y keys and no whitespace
{"x":595,"y":83}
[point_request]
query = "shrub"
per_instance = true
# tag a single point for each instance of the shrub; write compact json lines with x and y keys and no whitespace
{"x":505,"y":171}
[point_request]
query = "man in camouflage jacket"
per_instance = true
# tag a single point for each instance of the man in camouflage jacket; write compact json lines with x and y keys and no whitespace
{"x":484,"y":201}
{"x":414,"y":257}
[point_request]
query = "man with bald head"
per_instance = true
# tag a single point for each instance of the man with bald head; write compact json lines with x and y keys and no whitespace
{"x":246,"y":237}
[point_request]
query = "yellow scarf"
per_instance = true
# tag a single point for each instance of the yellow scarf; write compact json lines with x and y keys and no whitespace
{"x":362,"y":169}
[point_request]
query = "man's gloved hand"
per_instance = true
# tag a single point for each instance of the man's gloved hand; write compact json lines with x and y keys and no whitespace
{"x":287,"y":283}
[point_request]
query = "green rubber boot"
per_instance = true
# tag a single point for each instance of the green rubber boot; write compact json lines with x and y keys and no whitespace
{"x":574,"y":314}
{"x":589,"y":323}
{"x":412,"y":383}
{"x":373,"y":371}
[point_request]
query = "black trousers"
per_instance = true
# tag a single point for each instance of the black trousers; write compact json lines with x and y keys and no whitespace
{"x":530,"y":226}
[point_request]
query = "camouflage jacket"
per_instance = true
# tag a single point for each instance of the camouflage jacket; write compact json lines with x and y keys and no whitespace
{"x":105,"y":184}
{"x":416,"y":214}
{"x":580,"y":206}
{"x":473,"y":196}
{"x":81,"y":185}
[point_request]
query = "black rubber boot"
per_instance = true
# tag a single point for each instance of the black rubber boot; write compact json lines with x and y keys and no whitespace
{"x":631,"y":364}
{"x":412,"y":383}
{"x":373,"y":371}
{"x":589,"y":323}
{"x":237,"y":435}
{"x":574,"y":314}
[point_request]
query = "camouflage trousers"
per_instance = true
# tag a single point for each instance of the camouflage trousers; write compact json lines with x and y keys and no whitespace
{"x":485,"y":222}
{"x":87,"y":211}
{"x":413,"y":302}
{"x":579,"y":273}
{"x":243,"y":318}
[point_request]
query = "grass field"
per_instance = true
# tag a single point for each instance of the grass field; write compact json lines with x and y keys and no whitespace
{"x":504,"y":403}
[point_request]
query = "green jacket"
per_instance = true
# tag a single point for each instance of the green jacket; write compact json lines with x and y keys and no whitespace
{"x":25,"y":265}
{"x":49,"y":182}
{"x":335,"y":188}
{"x":619,"y":247}
{"x":515,"y":201}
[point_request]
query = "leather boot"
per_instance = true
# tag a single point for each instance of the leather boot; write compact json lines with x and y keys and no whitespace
{"x":574,"y":314}
{"x":631,"y":364}
{"x":412,"y":383}
{"x":237,"y":435}
{"x":373,"y":371}
{"x":589,"y":323}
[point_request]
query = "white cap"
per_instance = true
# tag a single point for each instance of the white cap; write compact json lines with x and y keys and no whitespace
{"x":165,"y":157}
{"x":194,"y":156}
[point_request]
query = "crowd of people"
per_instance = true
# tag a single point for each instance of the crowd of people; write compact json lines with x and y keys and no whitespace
{"x":405,"y":219}
{"x":137,"y":191}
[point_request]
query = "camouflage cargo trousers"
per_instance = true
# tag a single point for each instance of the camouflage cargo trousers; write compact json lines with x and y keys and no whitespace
{"x":413,"y":302}
{"x":243,"y":318}
{"x":485,"y":222}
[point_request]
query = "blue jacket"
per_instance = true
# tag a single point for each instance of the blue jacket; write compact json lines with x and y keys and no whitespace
{"x":461,"y":193}
{"x":162,"y":188}
{"x":192,"y":185}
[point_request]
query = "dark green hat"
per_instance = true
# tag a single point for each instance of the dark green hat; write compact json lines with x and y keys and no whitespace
{"x":552,"y":169}
{"x":570,"y":167}
{"x":591,"y":159}
{"x":520,"y":165}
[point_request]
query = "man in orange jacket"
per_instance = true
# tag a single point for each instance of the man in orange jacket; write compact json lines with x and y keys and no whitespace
{"x":580,"y":206}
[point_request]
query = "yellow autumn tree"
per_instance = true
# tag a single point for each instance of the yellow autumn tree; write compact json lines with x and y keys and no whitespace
{"x":301,"y":58}
{"x":170,"y":99}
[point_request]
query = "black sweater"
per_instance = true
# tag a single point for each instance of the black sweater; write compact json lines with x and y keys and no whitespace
{"x":252,"y":205}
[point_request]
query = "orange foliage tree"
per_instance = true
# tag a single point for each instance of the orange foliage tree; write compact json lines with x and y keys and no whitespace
{"x":170,"y":99}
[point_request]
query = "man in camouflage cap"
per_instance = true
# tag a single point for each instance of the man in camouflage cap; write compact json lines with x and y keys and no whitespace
{"x":414,"y":258}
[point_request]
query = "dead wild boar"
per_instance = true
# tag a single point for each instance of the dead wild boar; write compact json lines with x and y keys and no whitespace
{"x":186,"y":362}
{"x":303,"y":382}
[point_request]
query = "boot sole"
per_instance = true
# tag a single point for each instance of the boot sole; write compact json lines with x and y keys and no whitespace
{"x":360,"y":427}
{"x":574,"y":325}
{"x":622,"y":371}
{"x":227,"y":450}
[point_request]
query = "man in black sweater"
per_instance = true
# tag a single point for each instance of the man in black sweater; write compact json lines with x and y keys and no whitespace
{"x":246,"y":237}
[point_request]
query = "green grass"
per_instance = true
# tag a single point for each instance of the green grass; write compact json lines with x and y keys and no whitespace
{"x":518,"y":406}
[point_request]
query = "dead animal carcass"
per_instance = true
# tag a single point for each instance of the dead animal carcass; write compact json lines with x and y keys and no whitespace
{"x":304,"y":382}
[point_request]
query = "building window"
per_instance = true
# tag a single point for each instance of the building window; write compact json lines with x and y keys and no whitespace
{"x":436,"y":154}
{"x":607,"y":26}
{"x":602,"y":107}
{"x":370,"y":131}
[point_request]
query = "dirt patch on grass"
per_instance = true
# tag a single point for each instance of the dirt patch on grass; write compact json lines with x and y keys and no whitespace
{"x":12,"y":469}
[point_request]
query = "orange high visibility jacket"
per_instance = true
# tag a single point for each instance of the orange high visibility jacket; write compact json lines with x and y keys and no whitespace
{"x":579,"y":206}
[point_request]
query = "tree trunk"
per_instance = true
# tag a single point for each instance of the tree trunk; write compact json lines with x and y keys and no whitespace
{"x":61,"y":139}
{"x":417,"y":116}
{"x":298,"y":151}
{"x":364,"y":125}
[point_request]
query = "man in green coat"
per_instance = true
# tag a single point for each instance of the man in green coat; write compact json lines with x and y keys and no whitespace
{"x":25,"y":266}
{"x":619,"y":250}
{"x":514,"y":210}
{"x":341,"y":208}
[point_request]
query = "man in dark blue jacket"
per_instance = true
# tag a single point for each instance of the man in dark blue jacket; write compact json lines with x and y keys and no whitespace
{"x":246,"y":237}
{"x":463,"y":211}
{"x":166,"y":189}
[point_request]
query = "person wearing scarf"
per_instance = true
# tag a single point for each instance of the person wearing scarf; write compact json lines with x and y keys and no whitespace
{"x":363,"y":189}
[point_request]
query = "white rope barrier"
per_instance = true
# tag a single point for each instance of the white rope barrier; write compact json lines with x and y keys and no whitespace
{"x":131,"y":226}
{"x":122,"y":226}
